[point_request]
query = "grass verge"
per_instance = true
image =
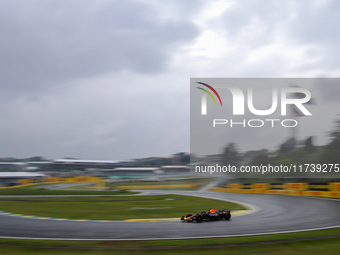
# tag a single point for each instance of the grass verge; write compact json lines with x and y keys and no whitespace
{"x":243,"y":245}
{"x":34,"y":190}
{"x":111,"y":208}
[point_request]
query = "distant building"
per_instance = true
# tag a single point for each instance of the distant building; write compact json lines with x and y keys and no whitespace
{"x":13,"y":178}
{"x":137,"y":172}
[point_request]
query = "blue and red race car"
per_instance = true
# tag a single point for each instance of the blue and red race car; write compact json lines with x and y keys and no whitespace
{"x":212,"y":214}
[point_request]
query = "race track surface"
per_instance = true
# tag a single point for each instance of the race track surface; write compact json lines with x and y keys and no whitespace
{"x":275,"y":213}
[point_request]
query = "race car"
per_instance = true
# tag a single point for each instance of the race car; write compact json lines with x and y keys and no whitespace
{"x":211,"y":214}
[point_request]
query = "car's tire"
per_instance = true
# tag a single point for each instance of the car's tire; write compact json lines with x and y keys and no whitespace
{"x":227,"y":216}
{"x":199,"y":217}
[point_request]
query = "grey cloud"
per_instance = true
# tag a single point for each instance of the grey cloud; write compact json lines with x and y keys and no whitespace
{"x":92,"y":80}
{"x":318,"y":27}
{"x":243,"y":14}
{"x":253,"y":24}
{"x":99,"y":123}
{"x":45,"y":43}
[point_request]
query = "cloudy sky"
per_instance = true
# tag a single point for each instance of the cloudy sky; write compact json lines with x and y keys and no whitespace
{"x":110,"y":79}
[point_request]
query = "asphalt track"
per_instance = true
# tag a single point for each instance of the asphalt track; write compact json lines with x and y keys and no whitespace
{"x":273,"y":214}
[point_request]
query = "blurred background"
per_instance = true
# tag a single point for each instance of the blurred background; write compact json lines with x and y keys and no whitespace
{"x":95,"y":100}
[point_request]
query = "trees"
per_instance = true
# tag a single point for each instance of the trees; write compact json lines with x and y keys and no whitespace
{"x":230,"y":155}
{"x":331,"y":154}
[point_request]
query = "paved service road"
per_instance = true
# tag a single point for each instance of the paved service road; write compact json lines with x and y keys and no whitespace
{"x":275,"y":213}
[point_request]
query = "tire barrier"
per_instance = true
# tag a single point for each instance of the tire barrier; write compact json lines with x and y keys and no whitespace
{"x":74,"y":179}
{"x":160,"y":186}
{"x":79,"y":179}
{"x":330,"y":190}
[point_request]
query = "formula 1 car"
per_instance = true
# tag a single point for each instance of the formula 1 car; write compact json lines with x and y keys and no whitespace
{"x":212,"y":214}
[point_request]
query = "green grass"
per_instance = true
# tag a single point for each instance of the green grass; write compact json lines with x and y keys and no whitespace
{"x":103,"y":208}
{"x":321,"y":246}
{"x":329,"y":247}
{"x":33,"y":190}
{"x":148,"y":185}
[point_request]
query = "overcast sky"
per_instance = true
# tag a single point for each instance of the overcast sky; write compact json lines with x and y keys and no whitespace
{"x":110,"y":79}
